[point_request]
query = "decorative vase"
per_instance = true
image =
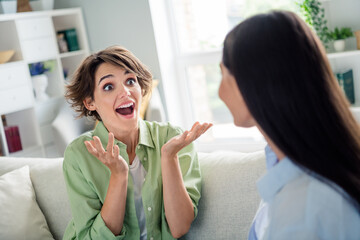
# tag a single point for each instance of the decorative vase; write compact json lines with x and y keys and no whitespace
{"x":40,"y":83}
{"x":23,"y":6}
{"x":339,"y":45}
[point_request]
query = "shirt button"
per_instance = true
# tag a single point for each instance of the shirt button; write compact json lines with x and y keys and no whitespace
{"x":144,"y":179}
{"x":145,"y":158}
{"x":149,"y":209}
{"x":138,"y":147}
{"x":151,"y":238}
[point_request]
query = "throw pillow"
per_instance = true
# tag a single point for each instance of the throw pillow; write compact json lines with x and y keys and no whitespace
{"x":21,"y":217}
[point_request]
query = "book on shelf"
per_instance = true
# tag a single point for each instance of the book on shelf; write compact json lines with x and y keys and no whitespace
{"x":346,"y":82}
{"x":62,"y":42}
{"x":13,"y":138}
{"x":69,"y":37}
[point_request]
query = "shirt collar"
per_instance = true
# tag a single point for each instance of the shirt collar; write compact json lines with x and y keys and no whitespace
{"x":271,"y":158}
{"x":101,"y":131}
{"x":276,"y":177}
{"x":144,"y":136}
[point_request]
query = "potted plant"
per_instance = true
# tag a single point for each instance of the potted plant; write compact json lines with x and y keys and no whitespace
{"x":314,"y":15}
{"x":339,"y":36}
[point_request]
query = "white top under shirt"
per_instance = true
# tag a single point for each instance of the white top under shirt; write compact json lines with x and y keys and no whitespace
{"x":138,"y":174}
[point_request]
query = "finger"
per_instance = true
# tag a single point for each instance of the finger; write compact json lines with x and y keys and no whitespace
{"x":185,"y":133}
{"x":98,"y":145}
{"x":184,"y":136}
{"x":90,"y":148}
{"x":110,"y":145}
{"x":180,"y":139}
{"x":116,"y":151}
{"x":202,"y":129}
{"x":196,"y":129}
{"x":194,"y":126}
{"x":92,"y":143}
{"x":193,"y":133}
{"x":206,"y":127}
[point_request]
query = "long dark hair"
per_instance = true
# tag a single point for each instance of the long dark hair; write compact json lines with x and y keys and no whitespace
{"x":283,"y":74}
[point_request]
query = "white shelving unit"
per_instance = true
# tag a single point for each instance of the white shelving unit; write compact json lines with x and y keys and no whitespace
{"x":338,"y":55}
{"x":33,"y":37}
{"x":344,"y":13}
{"x":343,"y":61}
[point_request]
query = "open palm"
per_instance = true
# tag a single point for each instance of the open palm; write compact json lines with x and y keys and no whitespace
{"x":175,"y":144}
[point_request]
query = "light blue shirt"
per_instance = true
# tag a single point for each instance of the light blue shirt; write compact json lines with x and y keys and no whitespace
{"x":260,"y":221}
{"x":299,"y":206}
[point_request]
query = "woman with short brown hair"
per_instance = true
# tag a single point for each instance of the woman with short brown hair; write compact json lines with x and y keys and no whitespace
{"x":128,"y":178}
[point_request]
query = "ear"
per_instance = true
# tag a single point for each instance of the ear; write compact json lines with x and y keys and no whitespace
{"x":89,"y":104}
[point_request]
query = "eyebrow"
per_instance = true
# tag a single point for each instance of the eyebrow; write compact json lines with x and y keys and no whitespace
{"x":110,"y":75}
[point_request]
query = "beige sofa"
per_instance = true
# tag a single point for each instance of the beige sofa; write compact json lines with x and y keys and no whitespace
{"x":228,"y":204}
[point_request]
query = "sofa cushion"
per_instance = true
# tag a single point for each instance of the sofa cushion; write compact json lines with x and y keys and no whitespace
{"x":20,"y":215}
{"x":229,"y":197}
{"x":49,"y":185}
{"x":226,"y":209}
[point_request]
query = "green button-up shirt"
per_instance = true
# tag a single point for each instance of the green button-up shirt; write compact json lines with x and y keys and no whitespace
{"x":87,"y":180}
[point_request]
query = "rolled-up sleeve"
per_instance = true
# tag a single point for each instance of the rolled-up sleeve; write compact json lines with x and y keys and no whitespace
{"x":190,"y":169}
{"x":84,"y":201}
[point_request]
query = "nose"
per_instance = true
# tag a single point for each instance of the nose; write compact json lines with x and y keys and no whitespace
{"x":124,"y":91}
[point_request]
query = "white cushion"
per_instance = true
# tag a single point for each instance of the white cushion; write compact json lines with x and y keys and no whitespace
{"x":21,"y":216}
{"x":229,"y":197}
{"x":50,"y":190}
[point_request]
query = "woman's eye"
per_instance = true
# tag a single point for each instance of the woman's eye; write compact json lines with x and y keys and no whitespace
{"x":130,"y":81}
{"x":108,"y":87}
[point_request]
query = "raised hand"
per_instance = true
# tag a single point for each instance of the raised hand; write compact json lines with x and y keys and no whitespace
{"x":175,"y":144}
{"x":111,"y":157}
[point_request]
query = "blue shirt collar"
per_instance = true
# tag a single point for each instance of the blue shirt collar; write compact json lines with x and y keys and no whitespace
{"x":271,"y":158}
{"x":277,"y":176}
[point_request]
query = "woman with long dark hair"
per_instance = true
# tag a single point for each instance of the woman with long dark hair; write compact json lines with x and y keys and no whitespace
{"x":276,"y":76}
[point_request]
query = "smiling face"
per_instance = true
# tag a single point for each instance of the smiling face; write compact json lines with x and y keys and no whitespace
{"x":230,"y":94}
{"x":117,"y":98}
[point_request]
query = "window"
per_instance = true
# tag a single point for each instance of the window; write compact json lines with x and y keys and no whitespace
{"x":198,"y":29}
{"x":201,"y":25}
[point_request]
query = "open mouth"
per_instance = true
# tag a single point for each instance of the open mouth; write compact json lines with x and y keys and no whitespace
{"x":126,"y":109}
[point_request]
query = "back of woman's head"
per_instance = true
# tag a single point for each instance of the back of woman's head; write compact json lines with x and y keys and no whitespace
{"x":285,"y":78}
